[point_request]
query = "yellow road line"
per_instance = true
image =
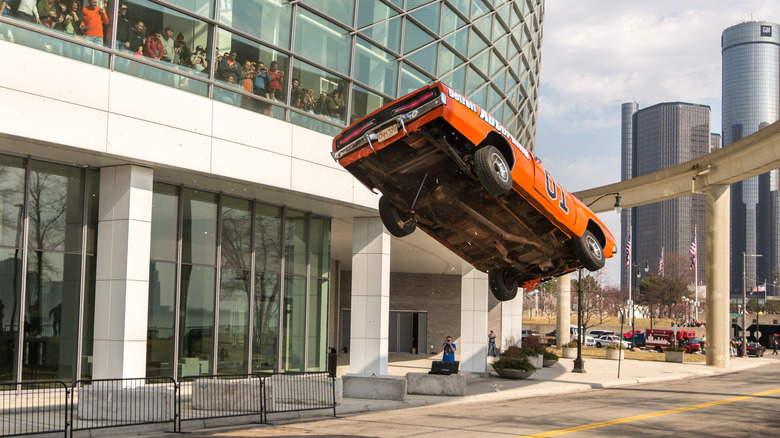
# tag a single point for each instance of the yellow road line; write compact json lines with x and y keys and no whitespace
{"x":651,"y":415}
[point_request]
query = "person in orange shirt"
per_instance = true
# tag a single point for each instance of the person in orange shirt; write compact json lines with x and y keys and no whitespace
{"x":92,"y":23}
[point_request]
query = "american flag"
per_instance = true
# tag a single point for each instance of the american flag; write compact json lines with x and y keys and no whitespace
{"x":693,"y":250}
{"x":661,"y":263}
{"x":628,"y":250}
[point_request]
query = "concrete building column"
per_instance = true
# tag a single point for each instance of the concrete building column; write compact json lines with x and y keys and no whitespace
{"x":370,"y":306}
{"x":718,"y":320}
{"x":564,"y":309}
{"x":122,"y":273}
{"x":512,"y":321}
{"x":473,"y":320}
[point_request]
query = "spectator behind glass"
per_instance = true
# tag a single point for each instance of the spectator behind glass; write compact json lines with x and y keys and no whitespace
{"x":261,"y":81}
{"x":137,"y":36}
{"x":28,"y":11}
{"x":335,"y":104}
{"x":123,"y":27}
{"x":153,"y":48}
{"x":181,"y":53}
{"x":167,"y":44}
{"x":48,"y":12}
{"x":94,"y":18}
{"x":228,"y":67}
{"x":274,"y":85}
{"x":321,"y":106}
{"x":198,"y":59}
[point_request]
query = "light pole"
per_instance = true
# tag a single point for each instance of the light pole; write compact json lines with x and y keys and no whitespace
{"x":744,"y":301}
{"x":638,"y":274}
{"x":579,"y":364}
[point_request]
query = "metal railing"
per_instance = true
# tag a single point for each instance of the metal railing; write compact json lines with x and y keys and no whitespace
{"x":219,"y":396}
{"x":292,"y":392}
{"x":29,"y":408}
{"x":104,"y":403}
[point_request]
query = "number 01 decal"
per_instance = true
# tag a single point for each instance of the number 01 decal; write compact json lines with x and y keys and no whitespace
{"x":553,"y":188}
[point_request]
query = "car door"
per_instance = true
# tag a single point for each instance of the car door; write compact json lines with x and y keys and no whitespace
{"x":558,"y":203}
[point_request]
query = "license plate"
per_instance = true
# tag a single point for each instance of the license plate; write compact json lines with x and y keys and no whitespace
{"x":387,"y":133}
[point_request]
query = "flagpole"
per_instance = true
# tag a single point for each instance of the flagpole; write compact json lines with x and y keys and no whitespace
{"x":696,"y":275}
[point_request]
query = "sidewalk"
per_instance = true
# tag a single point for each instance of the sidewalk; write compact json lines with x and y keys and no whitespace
{"x":558,"y":379}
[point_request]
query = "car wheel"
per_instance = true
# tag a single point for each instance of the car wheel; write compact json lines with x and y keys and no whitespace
{"x":503,"y":283}
{"x":589,"y":251}
{"x":392,"y":219}
{"x":598,"y":344}
{"x":493,"y":170}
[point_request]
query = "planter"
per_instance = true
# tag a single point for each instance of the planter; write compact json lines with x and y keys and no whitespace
{"x":616,"y":354}
{"x":569,"y":353}
{"x":548,"y":363}
{"x":513,"y":374}
{"x":674,"y":356}
{"x":536,"y":361}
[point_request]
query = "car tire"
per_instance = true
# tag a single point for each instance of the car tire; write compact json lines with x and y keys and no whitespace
{"x":392,"y":219}
{"x":503,"y":287}
{"x":589,"y":251}
{"x":493,"y":170}
{"x":598,"y":344}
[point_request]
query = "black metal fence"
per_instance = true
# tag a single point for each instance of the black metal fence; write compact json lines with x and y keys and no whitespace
{"x":103,"y":403}
{"x":28,"y":408}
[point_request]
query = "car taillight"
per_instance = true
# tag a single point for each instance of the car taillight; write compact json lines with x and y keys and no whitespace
{"x":416,"y":102}
{"x":355,"y":133}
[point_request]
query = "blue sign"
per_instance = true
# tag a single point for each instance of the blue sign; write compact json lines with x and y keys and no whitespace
{"x":766,"y":31}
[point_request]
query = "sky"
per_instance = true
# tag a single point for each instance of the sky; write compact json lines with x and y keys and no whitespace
{"x":599,"y":54}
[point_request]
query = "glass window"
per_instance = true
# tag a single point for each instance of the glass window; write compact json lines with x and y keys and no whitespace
{"x":10,"y":294}
{"x":88,"y":321}
{"x":322,"y":42}
{"x":269,"y":20}
{"x":375,"y":67}
{"x":51,"y":315}
{"x":459,"y":40}
{"x":294,"y":335}
{"x":411,"y":80}
{"x":56,"y":207}
{"x":165,"y":222}
{"x":318,"y":325}
{"x":457,"y":80}
{"x":236,"y":232}
{"x":425,"y":58}
{"x":196,"y":320}
{"x":161,"y":319}
{"x":328,"y":90}
{"x":320,"y":246}
{"x":59,"y":46}
{"x":265,"y":344}
{"x":341,"y":10}
{"x":233,"y":331}
{"x":295,"y":242}
{"x":199,"y":226}
{"x":12,"y":183}
{"x":372,"y":11}
{"x":268,"y":238}
{"x":314,"y":124}
{"x":387,"y":34}
{"x":428,"y":16}
{"x":414,"y":37}
{"x":450,"y":21}
{"x":93,"y":197}
{"x":161,"y":76}
{"x":364,"y":102}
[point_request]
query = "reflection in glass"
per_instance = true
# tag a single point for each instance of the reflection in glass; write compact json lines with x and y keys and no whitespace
{"x":323,"y":86}
{"x":51,"y":316}
{"x":375,"y":68}
{"x":322,"y":42}
{"x":10,"y":294}
{"x":55,"y":207}
{"x":318,"y":325}
{"x":93,"y":197}
{"x":266,"y":322}
{"x":320,"y":246}
{"x":364,"y":102}
{"x":196,"y":320}
{"x":341,"y":10}
{"x":161,"y":319}
{"x":165,"y":219}
{"x":387,"y":33}
{"x":88,"y":321}
{"x":269,"y":20}
{"x":295,"y":242}
{"x":236,"y":232}
{"x":268,"y":238}
{"x":161,"y":76}
{"x":11,"y":200}
{"x":199,"y":227}
{"x":294,"y":335}
{"x":58,"y":46}
{"x":233,"y":331}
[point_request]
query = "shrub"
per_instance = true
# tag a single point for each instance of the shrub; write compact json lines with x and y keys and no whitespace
{"x":549,"y":355}
{"x":512,"y":352}
{"x":674,"y":348}
{"x":507,"y":363}
{"x":614,"y":347}
{"x":572,"y":344}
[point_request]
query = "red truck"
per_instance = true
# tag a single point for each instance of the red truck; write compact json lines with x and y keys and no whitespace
{"x":659,"y":339}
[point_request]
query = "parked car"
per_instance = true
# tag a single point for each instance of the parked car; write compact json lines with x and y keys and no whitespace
{"x":448,"y":167}
{"x":637,"y":339}
{"x":600,"y":333}
{"x":755,"y":349}
{"x":605,"y":340}
{"x":552,"y":337}
{"x":527,"y":334}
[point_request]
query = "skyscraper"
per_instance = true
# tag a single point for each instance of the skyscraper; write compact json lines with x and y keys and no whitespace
{"x":663,"y":136}
{"x":751,"y":101}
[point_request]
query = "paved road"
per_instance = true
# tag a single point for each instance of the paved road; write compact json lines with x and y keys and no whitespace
{"x":743,"y":404}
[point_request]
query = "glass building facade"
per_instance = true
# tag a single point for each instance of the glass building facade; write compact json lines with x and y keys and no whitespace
{"x":751,"y":101}
{"x":324,"y":62}
{"x":662,"y":136}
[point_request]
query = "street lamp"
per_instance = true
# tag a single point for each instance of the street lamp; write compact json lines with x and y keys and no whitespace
{"x":579,"y":364}
{"x":744,"y":301}
{"x":638,"y":274}
{"x":618,"y":205}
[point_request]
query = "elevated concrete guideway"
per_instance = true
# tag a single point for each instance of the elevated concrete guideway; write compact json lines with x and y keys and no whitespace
{"x":710,"y":174}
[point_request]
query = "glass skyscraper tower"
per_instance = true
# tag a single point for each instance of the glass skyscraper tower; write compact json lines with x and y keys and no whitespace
{"x":751,"y":101}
